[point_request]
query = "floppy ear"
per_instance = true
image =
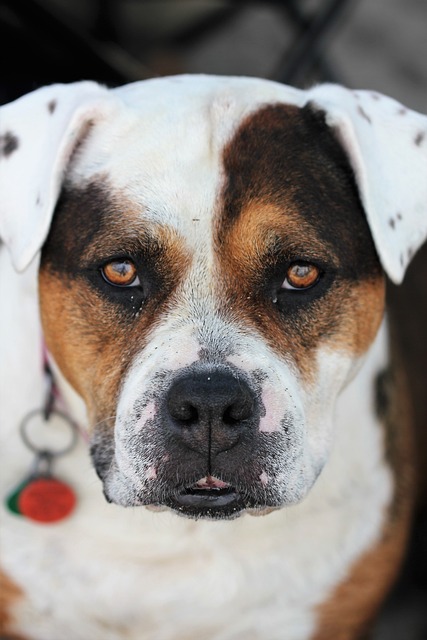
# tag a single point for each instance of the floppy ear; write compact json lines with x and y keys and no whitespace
{"x":38,"y":135}
{"x":386,"y":144}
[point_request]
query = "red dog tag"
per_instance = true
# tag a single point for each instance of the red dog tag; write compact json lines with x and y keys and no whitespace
{"x":46,"y":500}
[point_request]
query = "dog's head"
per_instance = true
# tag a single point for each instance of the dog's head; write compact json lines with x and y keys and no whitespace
{"x":210,"y":280}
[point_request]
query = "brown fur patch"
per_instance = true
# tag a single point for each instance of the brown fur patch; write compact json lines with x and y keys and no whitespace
{"x":93,"y":330}
{"x":354,"y":604}
{"x":289,"y":195}
{"x":350,"y":610}
{"x":10,"y":593}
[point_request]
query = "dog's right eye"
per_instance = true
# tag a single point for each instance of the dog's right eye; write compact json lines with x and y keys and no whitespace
{"x":120,"y":273}
{"x":301,"y":276}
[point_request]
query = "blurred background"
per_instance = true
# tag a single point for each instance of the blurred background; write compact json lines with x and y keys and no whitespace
{"x":372,"y":44}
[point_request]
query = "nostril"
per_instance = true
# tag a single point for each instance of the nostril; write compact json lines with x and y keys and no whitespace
{"x":183,"y":411}
{"x":240,"y":410}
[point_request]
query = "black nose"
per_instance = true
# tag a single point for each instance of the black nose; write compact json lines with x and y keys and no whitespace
{"x":210,"y":411}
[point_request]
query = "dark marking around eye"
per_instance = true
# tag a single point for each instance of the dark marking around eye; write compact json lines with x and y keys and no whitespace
{"x":363,"y":113}
{"x":399,"y":216}
{"x":8,"y":144}
{"x":420,"y":138}
{"x":52,"y":106}
{"x":402,"y":111}
{"x":392,"y":223}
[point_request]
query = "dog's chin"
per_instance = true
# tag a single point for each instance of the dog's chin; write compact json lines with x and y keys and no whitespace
{"x":256,"y":512}
{"x":227,"y":505}
{"x":221,"y":505}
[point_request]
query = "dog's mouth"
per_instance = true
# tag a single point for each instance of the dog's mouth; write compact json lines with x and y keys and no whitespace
{"x":209,"y":497}
{"x":208,"y":490}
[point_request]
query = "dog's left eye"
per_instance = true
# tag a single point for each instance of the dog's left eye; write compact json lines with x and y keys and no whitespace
{"x":300,"y":276}
{"x":120,"y":273}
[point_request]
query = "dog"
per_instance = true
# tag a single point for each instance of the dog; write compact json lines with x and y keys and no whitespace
{"x":205,"y":260}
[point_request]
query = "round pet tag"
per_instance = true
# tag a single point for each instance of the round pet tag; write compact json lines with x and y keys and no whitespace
{"x":46,"y":500}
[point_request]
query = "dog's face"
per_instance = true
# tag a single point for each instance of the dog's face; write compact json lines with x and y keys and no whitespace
{"x":209,"y":283}
{"x":208,"y":291}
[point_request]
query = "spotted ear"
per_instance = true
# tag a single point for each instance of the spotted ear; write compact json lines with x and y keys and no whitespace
{"x":38,"y":135}
{"x":386,"y":144}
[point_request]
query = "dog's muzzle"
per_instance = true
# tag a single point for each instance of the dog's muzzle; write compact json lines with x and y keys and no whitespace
{"x":210,"y":414}
{"x":197,"y":442}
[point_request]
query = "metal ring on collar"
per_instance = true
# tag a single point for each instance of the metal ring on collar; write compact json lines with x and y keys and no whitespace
{"x":43,"y":450}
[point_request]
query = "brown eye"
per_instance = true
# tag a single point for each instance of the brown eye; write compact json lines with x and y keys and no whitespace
{"x":121,"y":273}
{"x":301,"y":275}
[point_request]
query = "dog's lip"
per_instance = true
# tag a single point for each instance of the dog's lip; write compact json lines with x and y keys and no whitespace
{"x":206,"y":491}
{"x":207,"y":495}
{"x":212,"y":498}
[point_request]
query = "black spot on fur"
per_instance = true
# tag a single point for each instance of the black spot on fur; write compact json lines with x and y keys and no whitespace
{"x":393,"y":221}
{"x":363,"y":113}
{"x":8,"y":144}
{"x":52,"y":106}
{"x":420,"y":138}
